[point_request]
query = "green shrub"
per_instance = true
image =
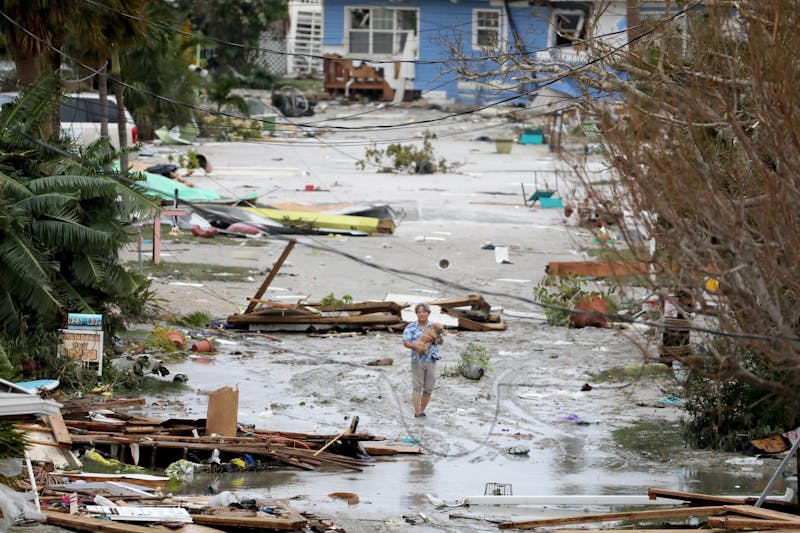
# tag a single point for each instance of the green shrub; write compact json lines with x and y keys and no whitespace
{"x":725,"y":414}
{"x":407,"y":158}
{"x":559,"y":295}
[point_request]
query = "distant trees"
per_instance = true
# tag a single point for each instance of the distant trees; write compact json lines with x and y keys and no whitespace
{"x":701,"y":129}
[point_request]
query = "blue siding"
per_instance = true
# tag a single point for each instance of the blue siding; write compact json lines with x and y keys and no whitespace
{"x":439,"y":22}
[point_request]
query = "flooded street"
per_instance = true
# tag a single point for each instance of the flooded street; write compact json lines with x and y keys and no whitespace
{"x":534,"y":397}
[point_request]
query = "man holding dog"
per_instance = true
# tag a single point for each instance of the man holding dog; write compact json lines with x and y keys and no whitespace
{"x":423,"y":364}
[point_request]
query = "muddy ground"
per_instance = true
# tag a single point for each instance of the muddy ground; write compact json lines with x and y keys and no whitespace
{"x":531,"y":398}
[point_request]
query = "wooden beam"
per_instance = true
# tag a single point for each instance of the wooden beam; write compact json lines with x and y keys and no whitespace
{"x":611,"y":517}
{"x":272,"y":273}
{"x":760,"y":512}
{"x":87,"y":523}
{"x":738,"y":522}
{"x":252,"y":522}
{"x":60,"y":432}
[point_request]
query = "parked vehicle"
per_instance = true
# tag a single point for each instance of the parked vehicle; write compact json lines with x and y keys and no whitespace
{"x":80,"y":118}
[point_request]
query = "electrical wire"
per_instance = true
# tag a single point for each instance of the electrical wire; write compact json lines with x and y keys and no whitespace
{"x":168,"y":28}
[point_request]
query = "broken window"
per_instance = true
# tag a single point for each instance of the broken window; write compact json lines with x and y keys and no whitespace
{"x":569,"y":25}
{"x":485,"y":28}
{"x":380,"y":30}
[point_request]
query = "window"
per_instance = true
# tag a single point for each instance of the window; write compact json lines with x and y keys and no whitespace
{"x":568,"y":26}
{"x":485,"y":28}
{"x":380,"y":30}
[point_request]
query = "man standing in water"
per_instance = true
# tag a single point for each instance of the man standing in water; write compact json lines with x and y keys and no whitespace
{"x":423,"y":365}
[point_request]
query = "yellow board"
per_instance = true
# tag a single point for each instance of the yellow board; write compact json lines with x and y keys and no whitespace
{"x":321,"y":220}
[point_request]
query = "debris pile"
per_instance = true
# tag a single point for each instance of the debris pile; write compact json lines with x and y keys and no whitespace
{"x":471,"y":312}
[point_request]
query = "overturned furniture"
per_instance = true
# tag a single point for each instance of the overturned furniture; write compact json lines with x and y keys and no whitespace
{"x":343,"y":76}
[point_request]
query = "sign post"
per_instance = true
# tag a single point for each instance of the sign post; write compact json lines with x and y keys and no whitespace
{"x":83,"y":339}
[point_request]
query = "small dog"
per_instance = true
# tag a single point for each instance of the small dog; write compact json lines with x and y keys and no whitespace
{"x":427,"y":339}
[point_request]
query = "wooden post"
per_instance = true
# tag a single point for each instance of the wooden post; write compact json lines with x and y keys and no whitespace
{"x":272,"y":273}
{"x":157,"y":231}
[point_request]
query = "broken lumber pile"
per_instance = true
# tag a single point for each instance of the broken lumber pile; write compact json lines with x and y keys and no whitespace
{"x":173,"y":439}
{"x":473,"y":314}
{"x":729,"y":513}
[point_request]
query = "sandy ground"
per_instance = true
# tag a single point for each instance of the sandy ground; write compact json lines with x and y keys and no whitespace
{"x":532,"y":396}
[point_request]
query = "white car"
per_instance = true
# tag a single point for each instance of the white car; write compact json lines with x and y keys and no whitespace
{"x":80,"y":118}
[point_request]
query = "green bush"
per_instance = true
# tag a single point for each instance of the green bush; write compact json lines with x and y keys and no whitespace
{"x":559,"y":295}
{"x":407,"y":158}
{"x":725,"y":414}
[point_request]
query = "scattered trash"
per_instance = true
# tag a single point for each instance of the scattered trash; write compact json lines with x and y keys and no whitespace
{"x":410,"y":440}
{"x":670,"y":399}
{"x":519,"y":450}
{"x":472,"y":371}
{"x":204,"y":345}
{"x":386,"y":361}
{"x":501,"y":255}
{"x":349,"y":497}
{"x":745,"y":461}
{"x":586,"y":387}
{"x":176,"y":338}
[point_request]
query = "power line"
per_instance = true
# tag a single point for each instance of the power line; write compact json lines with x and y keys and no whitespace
{"x":168,"y":28}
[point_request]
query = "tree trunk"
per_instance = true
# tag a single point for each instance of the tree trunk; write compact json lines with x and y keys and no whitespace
{"x":116,"y":73}
{"x":102,"y":89}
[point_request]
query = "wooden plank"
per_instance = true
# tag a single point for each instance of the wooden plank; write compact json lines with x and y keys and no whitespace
{"x":388,"y":449}
{"x":474,"y":301}
{"x":223,"y":406}
{"x":648,"y":530}
{"x":611,"y":517}
{"x":253,"y":522}
{"x":473,"y":325}
{"x":87,"y":523}
{"x":760,"y":512}
{"x":60,"y":432}
{"x":710,"y":499}
{"x":737,"y":522}
{"x":597,"y":269}
{"x":272,"y":273}
{"x":367,"y":319}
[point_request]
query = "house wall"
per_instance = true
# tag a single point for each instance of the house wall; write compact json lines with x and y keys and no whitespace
{"x":445,"y":22}
{"x":442,"y":23}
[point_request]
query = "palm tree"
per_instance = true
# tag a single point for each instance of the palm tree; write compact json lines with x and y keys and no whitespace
{"x":103,"y":30}
{"x":60,"y":229}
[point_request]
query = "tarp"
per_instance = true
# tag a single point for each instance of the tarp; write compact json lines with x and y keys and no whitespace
{"x":166,"y":187}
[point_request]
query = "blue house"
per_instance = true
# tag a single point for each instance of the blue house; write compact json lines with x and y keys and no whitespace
{"x":399,"y":48}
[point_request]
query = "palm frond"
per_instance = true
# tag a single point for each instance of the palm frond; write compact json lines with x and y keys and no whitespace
{"x":71,"y":235}
{"x":84,"y":186}
{"x":45,"y":204}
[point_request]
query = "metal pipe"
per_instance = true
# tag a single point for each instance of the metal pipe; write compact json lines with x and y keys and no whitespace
{"x":777,"y":473}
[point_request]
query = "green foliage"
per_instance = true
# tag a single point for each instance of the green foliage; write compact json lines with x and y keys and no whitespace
{"x":12,"y":440}
{"x":472,"y":354}
{"x":157,"y":69}
{"x":6,"y":368}
{"x":407,"y":158}
{"x":725,"y":414}
{"x":60,"y":223}
{"x":221,"y":128}
{"x":631,"y":373}
{"x":196,"y":319}
{"x":223,"y":19}
{"x":330,"y":302}
{"x":219,"y":91}
{"x":561,"y":294}
{"x":655,"y":439}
